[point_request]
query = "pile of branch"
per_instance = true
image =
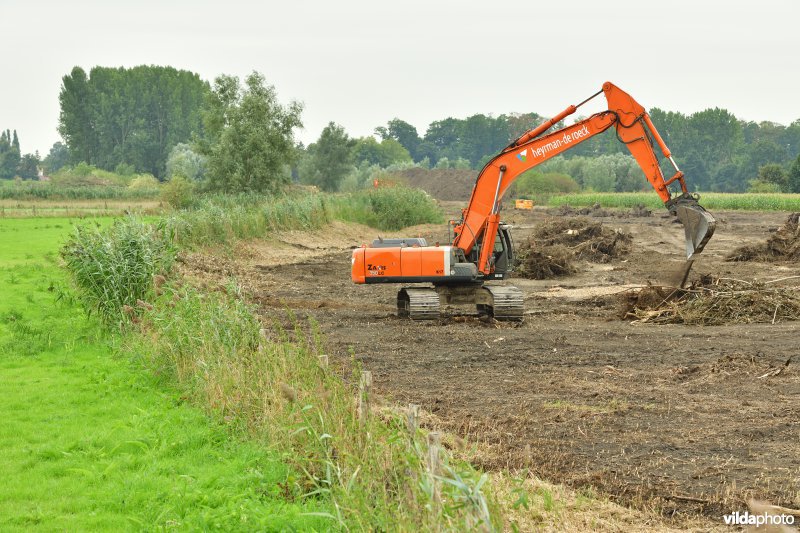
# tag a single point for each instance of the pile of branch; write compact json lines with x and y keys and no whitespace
{"x":713,"y":301}
{"x":545,"y":262}
{"x":783,"y":245}
{"x":585,"y":238}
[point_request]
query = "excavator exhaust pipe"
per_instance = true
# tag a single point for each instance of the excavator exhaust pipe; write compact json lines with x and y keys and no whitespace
{"x":698,"y":224}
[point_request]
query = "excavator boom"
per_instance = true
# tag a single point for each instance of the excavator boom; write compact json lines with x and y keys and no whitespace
{"x":633,"y":127}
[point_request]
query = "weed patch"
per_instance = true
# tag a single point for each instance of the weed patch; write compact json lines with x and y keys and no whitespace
{"x":115,"y":268}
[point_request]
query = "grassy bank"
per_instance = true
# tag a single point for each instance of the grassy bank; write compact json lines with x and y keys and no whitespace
{"x":710,"y":200}
{"x":91,"y":442}
{"x":273,"y":387}
{"x":221,"y":219}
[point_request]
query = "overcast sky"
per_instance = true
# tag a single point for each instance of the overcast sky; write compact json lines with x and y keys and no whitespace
{"x":362,"y":63}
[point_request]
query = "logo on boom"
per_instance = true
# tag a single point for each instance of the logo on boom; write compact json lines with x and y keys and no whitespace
{"x":523,"y":155}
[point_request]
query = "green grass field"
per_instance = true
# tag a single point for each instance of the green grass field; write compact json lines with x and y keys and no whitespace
{"x":92,"y":442}
{"x":710,"y":200}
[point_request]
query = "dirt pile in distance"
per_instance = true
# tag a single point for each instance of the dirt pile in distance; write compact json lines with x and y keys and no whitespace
{"x":783,"y":245}
{"x":712,"y":301}
{"x":446,"y":184}
{"x":596,"y":210}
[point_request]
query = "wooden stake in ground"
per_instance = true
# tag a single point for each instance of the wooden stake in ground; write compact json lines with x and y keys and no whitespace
{"x":434,"y":467}
{"x":412,"y":415}
{"x":364,"y":388}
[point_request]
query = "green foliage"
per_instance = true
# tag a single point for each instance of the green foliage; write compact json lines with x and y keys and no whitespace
{"x":114,"y":268}
{"x":715,"y":150}
{"x":249,"y":136}
{"x":369,"y":471}
{"x":178,"y":192}
{"x":221,"y":219}
{"x":761,"y":186}
{"x":184,"y":161}
{"x":92,"y":442}
{"x":405,"y":134}
{"x":143,"y":182}
{"x":328,"y":160}
{"x":12,"y":164}
{"x":124,"y":169}
{"x":774,"y":174}
{"x":57,"y":158}
{"x":85,"y":175}
{"x":388,"y":208}
{"x":793,"y":179}
{"x":459,"y":163}
{"x":599,"y":177}
{"x":711,"y":201}
{"x":533,"y":184}
{"x":132,"y":116}
{"x":28,"y":167}
{"x":389,"y":151}
{"x":56,"y":191}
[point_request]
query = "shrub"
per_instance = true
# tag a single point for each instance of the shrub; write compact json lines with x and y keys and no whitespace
{"x":114,"y":268}
{"x":220,"y":219}
{"x":124,"y":169}
{"x":388,"y":208}
{"x":178,"y":192}
{"x":531,"y":184}
{"x":760,"y":186}
{"x":143,"y":182}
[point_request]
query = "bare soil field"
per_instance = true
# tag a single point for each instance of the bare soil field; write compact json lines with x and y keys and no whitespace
{"x":692,"y":420}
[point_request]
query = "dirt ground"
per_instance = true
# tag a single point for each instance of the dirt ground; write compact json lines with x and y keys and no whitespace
{"x":672,"y":416}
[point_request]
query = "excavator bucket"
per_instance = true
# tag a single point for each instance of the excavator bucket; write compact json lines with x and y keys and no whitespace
{"x":698,"y":225}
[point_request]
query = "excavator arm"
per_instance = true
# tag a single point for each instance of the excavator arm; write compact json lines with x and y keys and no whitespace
{"x":481,"y":218}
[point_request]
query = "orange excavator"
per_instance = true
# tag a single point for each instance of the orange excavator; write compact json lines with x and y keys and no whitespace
{"x":482,"y":248}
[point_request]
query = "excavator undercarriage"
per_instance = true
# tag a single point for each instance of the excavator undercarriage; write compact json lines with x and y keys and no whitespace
{"x":501,"y":302}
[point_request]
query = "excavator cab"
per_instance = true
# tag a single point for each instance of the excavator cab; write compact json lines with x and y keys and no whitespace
{"x":502,"y":257}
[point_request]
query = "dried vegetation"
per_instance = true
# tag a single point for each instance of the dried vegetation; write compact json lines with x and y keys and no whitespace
{"x":713,"y":301}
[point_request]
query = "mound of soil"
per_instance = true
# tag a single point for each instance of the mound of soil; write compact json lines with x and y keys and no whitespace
{"x":545,"y":262}
{"x":445,"y":184}
{"x":712,"y":301}
{"x":784,"y":245}
{"x":596,"y":210}
{"x":584,"y":238}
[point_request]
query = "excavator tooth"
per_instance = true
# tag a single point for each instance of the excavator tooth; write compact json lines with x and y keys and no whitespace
{"x":698,"y":226}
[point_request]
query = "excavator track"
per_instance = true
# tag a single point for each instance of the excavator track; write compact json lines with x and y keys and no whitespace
{"x":418,"y":303}
{"x":507,"y":302}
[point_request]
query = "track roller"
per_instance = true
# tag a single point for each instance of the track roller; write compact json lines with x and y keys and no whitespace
{"x":506,"y":302}
{"x":418,"y":303}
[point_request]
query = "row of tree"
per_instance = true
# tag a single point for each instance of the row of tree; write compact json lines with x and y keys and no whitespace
{"x":12,"y":163}
{"x":716,"y":150}
{"x":135,"y":116}
{"x":237,"y":136}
